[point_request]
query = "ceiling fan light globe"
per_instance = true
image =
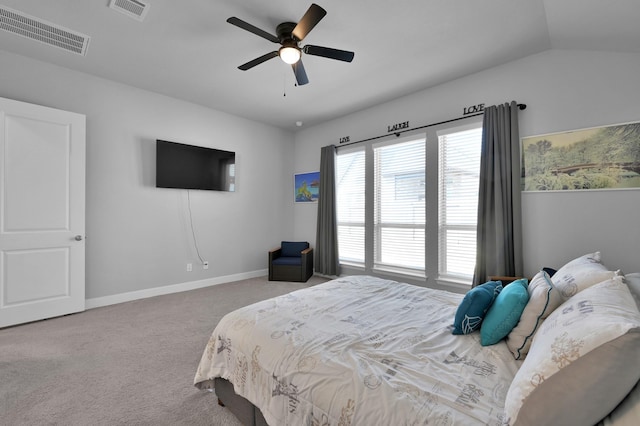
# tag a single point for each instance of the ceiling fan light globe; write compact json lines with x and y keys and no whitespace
{"x":289,"y":54}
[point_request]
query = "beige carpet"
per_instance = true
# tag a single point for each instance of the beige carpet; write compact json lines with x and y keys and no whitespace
{"x":126,"y":364}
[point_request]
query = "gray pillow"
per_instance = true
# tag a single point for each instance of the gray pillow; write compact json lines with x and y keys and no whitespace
{"x":627,"y":413}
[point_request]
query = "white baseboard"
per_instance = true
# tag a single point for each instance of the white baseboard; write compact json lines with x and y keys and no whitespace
{"x":97,"y":302}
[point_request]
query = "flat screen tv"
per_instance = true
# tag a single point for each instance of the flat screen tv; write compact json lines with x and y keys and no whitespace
{"x":194,"y":167}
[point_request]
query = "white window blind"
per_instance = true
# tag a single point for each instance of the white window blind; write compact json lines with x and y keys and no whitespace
{"x":459,"y":171}
{"x":350,"y":200}
{"x":399,"y":206}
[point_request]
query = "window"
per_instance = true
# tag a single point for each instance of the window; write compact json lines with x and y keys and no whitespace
{"x":395,"y":218}
{"x":459,"y":171}
{"x":407,"y":206}
{"x":350,"y":198}
{"x":399,"y":206}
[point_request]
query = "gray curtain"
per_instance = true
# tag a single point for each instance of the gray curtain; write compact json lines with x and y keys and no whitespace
{"x":327,"y":227}
{"x":499,"y":238}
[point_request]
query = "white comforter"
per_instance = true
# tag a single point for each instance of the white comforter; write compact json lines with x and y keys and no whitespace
{"x":359,"y":351}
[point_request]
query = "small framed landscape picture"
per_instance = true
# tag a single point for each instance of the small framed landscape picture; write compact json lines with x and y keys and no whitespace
{"x":306,"y":187}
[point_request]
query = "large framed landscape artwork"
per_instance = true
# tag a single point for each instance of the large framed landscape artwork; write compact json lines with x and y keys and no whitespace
{"x":605,"y":157}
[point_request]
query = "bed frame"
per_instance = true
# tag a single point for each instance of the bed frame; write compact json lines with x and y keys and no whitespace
{"x":245,"y":411}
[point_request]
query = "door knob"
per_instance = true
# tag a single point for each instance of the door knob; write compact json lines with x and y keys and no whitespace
{"x":78,"y":238}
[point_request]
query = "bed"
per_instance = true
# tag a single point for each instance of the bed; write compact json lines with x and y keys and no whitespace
{"x":362,"y":350}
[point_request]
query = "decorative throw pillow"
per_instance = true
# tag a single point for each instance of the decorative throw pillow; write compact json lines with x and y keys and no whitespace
{"x":583,"y":360}
{"x":474,"y":307}
{"x":505,"y":312}
{"x":544,"y":298}
{"x":580,"y":273}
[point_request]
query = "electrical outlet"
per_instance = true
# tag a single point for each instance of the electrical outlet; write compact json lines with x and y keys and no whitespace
{"x":189,"y":267}
{"x":205,"y":265}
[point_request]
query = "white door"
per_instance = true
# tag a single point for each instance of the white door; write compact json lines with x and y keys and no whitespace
{"x":42,"y":196}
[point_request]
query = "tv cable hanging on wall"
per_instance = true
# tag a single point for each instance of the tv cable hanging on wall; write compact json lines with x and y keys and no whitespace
{"x":193,"y":233}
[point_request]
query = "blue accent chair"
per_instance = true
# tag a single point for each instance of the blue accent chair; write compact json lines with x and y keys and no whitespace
{"x":292,"y":261}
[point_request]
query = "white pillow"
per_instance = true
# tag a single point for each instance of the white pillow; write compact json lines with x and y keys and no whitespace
{"x":580,"y":273}
{"x":628,"y":412}
{"x":633,"y":281}
{"x":544,"y":298}
{"x":583,"y":360}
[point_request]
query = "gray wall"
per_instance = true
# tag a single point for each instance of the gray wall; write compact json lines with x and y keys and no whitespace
{"x":564,"y":90}
{"x":138,"y":236}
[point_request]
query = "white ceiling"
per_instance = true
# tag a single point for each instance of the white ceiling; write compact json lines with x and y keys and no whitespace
{"x":187,"y":50}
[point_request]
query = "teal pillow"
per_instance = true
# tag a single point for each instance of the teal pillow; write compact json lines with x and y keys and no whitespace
{"x":474,"y":307}
{"x":505,"y":312}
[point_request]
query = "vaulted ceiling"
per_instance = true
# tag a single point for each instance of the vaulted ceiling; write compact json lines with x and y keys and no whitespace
{"x":187,"y":50}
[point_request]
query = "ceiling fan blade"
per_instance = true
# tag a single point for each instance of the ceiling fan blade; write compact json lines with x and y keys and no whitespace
{"x":327,"y":52}
{"x":301,"y":74}
{"x":252,"y":29}
{"x":312,"y":16}
{"x":258,"y":61}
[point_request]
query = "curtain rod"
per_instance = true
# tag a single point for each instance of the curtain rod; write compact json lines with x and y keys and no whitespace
{"x":398,"y":133}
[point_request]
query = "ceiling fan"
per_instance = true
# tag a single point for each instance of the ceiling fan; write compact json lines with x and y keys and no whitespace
{"x":289,"y":35}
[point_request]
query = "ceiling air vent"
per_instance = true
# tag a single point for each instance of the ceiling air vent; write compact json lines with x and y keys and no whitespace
{"x":33,"y":28}
{"x":135,"y":9}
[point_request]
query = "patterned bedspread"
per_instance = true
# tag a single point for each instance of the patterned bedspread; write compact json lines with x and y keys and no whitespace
{"x":359,"y":351}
